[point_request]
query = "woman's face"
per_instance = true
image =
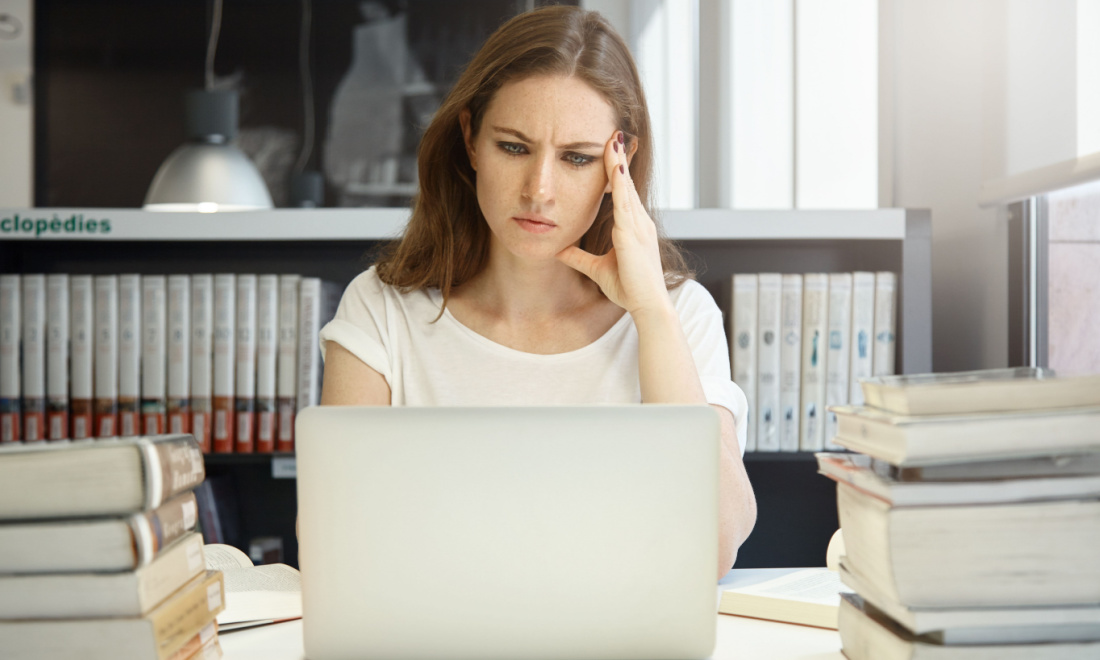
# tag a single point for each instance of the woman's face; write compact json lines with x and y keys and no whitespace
{"x":539,"y":160}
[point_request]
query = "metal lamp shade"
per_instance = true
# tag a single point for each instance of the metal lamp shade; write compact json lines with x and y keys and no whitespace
{"x":207,"y":177}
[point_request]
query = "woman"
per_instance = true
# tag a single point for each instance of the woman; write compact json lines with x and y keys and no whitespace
{"x":531,"y":271}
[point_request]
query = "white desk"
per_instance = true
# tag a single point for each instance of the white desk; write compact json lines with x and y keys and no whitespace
{"x":738,"y":637}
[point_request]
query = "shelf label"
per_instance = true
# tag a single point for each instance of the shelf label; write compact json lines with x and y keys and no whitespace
{"x":284,"y":467}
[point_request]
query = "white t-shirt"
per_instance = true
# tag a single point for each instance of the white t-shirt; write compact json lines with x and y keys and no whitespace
{"x":446,"y":363}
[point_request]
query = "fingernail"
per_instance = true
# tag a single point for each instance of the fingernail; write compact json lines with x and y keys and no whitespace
{"x":621,"y":170}
{"x":615,"y":146}
{"x":620,"y":137}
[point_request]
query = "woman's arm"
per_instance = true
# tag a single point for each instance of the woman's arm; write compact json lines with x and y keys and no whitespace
{"x":667,"y":373}
{"x":632,"y":277}
{"x":350,"y":382}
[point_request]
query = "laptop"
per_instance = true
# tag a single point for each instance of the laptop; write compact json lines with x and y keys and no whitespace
{"x":543,"y":532}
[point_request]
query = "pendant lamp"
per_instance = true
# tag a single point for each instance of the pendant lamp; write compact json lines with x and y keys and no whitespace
{"x":208,"y":173}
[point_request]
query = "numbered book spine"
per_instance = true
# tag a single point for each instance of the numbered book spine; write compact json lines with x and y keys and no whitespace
{"x":245,"y":391}
{"x":105,"y":360}
{"x":769,"y":320}
{"x":863,"y":329}
{"x":202,"y":360}
{"x":882,"y":361}
{"x":267,"y":349}
{"x":286,"y":363}
{"x":815,"y":312}
{"x":57,"y":356}
{"x":82,"y":331}
{"x":154,"y":354}
{"x":743,"y":353}
{"x":317,"y":305}
{"x":178,"y":404}
{"x":129,"y":355}
{"x":838,"y":355}
{"x":225,"y":345}
{"x":34,"y":358}
{"x":11,"y":329}
{"x":790,"y":362}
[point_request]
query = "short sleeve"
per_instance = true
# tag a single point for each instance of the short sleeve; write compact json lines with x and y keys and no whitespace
{"x":701,"y":320}
{"x":361,"y":323}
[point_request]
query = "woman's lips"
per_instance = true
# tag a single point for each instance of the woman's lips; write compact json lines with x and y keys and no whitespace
{"x":535,"y":226}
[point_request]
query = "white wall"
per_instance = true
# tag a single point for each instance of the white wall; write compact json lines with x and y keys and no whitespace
{"x":16,"y":103}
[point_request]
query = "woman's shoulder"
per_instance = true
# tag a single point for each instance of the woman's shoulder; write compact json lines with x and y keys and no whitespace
{"x":369,"y":289}
{"x":692,"y":296}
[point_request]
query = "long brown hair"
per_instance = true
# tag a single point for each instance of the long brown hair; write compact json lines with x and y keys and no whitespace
{"x":446,"y":241}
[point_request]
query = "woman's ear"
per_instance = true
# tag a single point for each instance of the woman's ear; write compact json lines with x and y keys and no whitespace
{"x":630,"y":152}
{"x":467,"y":136}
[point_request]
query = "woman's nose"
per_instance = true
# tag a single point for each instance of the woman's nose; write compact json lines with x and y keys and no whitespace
{"x":539,"y":187}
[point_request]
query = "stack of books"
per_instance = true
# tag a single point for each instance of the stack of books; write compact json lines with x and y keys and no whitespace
{"x":971,"y":516}
{"x":99,"y":557}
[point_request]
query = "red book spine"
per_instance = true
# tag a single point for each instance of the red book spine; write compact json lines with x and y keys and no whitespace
{"x":224,"y":425}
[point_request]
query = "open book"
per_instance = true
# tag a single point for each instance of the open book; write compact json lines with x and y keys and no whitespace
{"x":254,"y":595}
{"x":809,"y":597}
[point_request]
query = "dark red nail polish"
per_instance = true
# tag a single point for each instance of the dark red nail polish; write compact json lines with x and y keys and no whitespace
{"x":620,"y":137}
{"x":621,"y":170}
{"x":615,"y":146}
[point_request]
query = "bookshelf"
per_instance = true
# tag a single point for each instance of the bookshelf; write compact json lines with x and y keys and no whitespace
{"x":797,"y":507}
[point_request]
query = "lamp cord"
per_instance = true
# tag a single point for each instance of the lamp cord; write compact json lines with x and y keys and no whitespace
{"x":212,"y":44}
{"x":307,"y":87}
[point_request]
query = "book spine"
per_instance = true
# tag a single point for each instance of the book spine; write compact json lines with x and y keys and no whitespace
{"x":790,"y":363}
{"x":769,"y":319}
{"x":178,"y":564}
{"x":105,"y":361}
{"x":129,"y":355}
{"x":154,"y":354}
{"x":173,"y":464}
{"x":82,"y":331}
{"x":225,"y":317}
{"x":202,"y":359}
{"x":245,"y":390}
{"x":192,"y":609}
{"x":838,"y":355}
{"x":178,"y":404}
{"x":863,"y":328}
{"x":286,"y":364}
{"x":34,"y":358}
{"x":743,"y":351}
{"x":158,"y":528}
{"x":11,"y":327}
{"x":57,"y":356}
{"x":882,"y":361}
{"x":267,"y":348}
{"x":815,"y":300}
{"x":194,"y":647}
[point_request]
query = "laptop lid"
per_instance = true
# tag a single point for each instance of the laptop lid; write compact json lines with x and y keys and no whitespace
{"x":552,"y":532}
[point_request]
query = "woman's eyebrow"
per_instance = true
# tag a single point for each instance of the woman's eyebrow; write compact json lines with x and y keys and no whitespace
{"x":570,"y":146}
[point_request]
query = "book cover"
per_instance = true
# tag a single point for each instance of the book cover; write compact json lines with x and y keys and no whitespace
{"x":34,"y":357}
{"x":768,"y":328}
{"x":82,"y":308}
{"x":743,"y":351}
{"x":885,"y":345}
{"x":178,"y":404}
{"x":129,"y":355}
{"x":838,"y":354}
{"x":154,"y":354}
{"x":11,"y":327}
{"x":863,"y":332}
{"x":790,"y":363}
{"x":105,"y":361}
{"x":286,"y":364}
{"x":109,"y":477}
{"x":267,"y":349}
{"x":245,"y":367}
{"x":225,"y":347}
{"x":202,"y":359}
{"x":57,"y":356}
{"x":815,"y":317}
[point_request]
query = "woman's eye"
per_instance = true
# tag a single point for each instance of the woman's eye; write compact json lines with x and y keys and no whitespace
{"x":512,"y":148}
{"x":578,"y":160}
